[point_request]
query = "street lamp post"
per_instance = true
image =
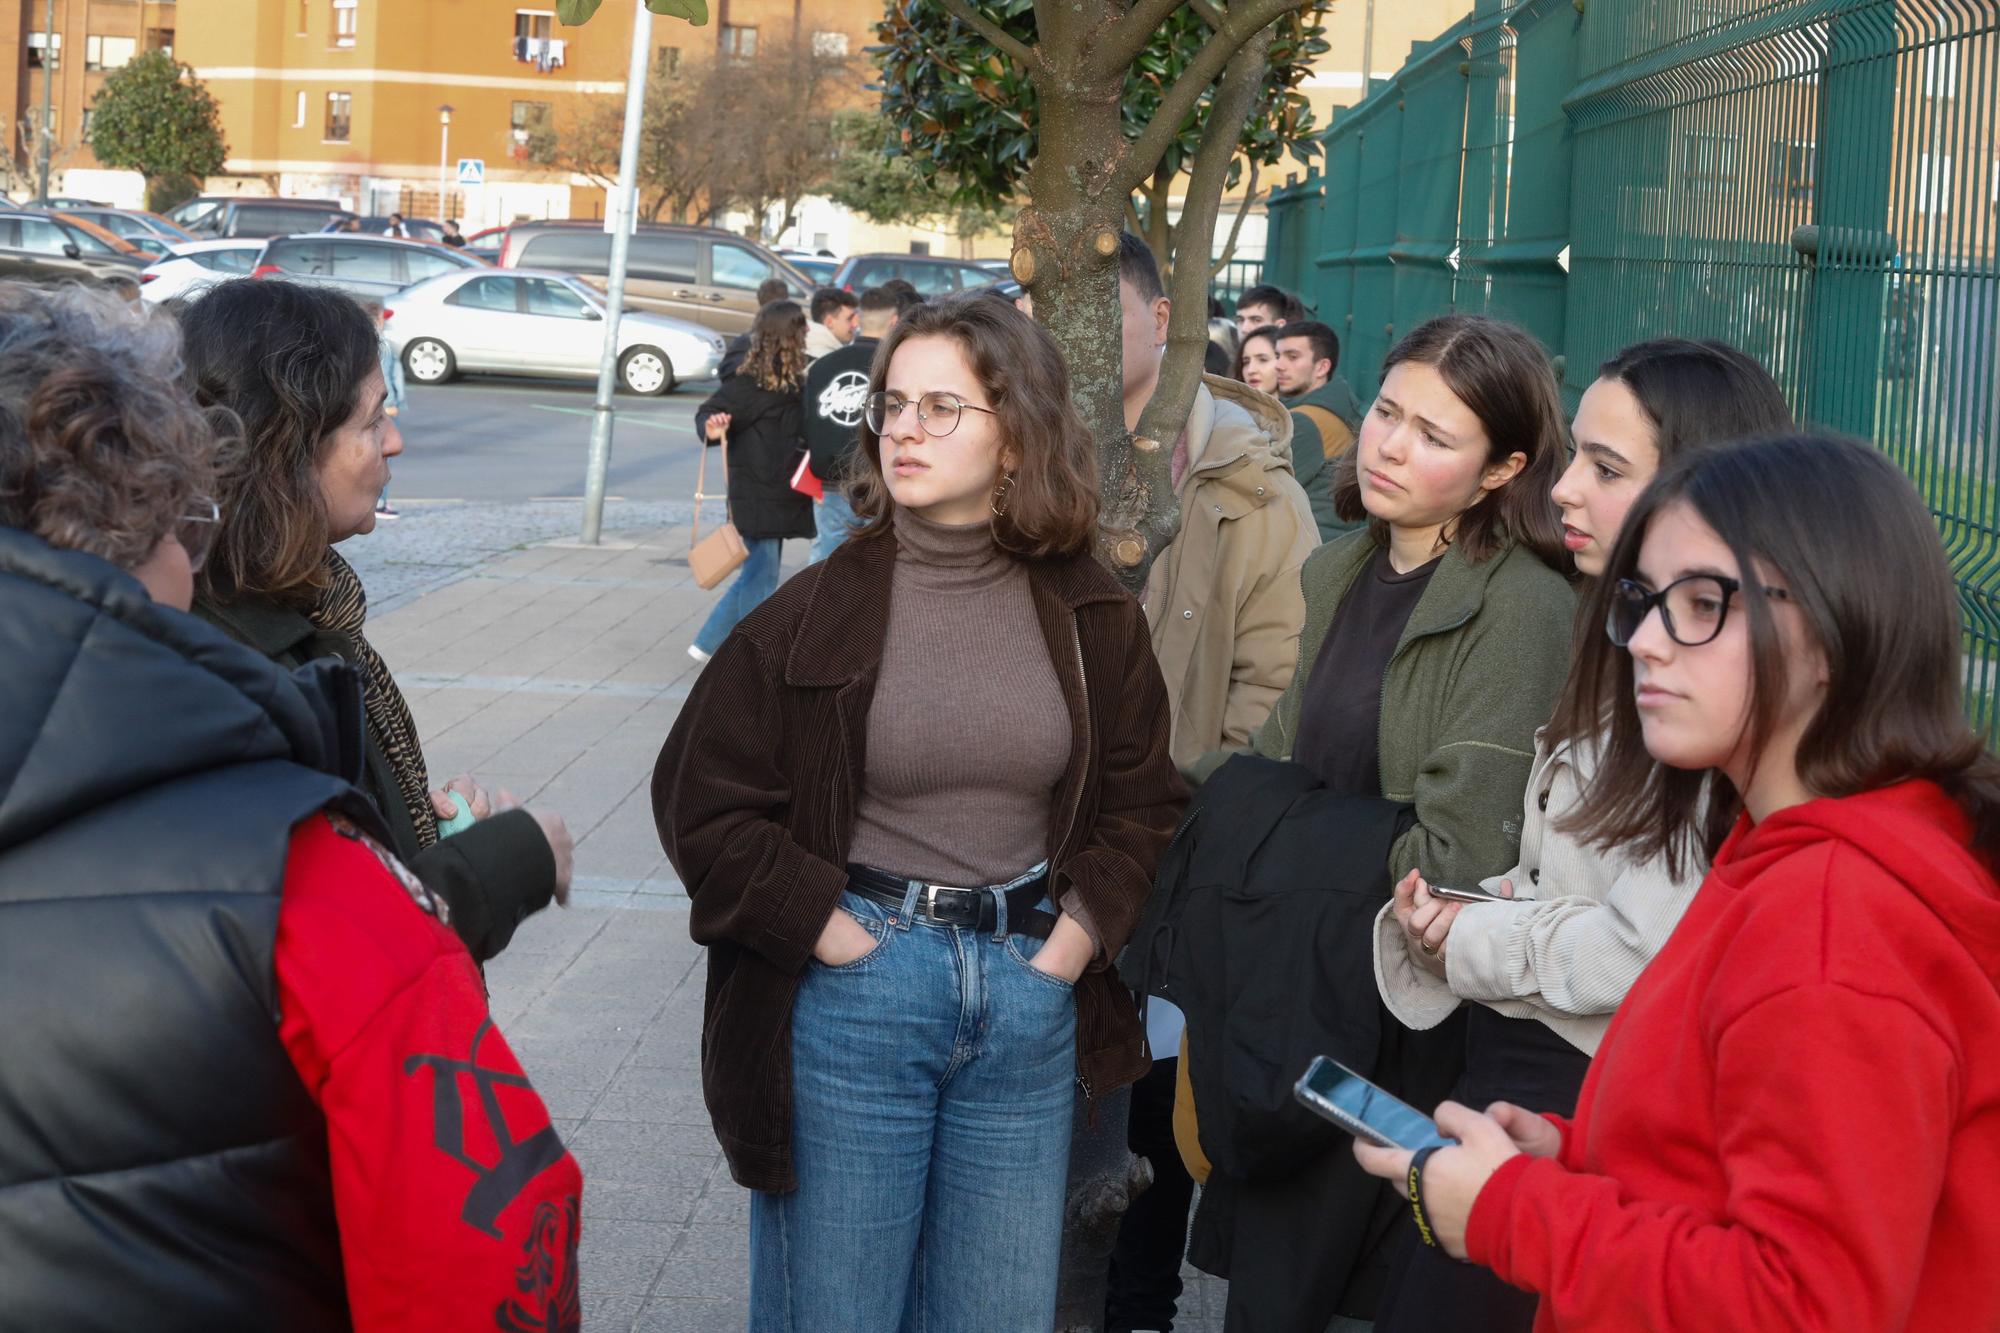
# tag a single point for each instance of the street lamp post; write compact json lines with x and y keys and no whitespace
{"x":444,"y":159}
{"x":48,"y":98}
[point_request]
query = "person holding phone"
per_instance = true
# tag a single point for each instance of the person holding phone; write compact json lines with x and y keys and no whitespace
{"x":1795,"y":1121}
{"x":917,"y":800}
{"x":1543,"y":954}
{"x":1435,"y":642}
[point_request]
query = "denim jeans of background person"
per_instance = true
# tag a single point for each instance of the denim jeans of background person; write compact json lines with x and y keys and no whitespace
{"x":754,"y":581}
{"x":833,"y":516}
{"x":955,"y":1118}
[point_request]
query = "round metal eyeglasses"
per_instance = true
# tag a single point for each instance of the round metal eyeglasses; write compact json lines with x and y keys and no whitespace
{"x":938,"y":412}
{"x":1693,"y":609}
{"x":196,"y":529}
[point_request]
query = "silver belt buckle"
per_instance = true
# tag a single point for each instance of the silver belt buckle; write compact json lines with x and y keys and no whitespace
{"x":930,"y":896}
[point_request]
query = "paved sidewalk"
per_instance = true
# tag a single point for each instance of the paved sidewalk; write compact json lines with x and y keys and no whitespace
{"x":555,"y":672}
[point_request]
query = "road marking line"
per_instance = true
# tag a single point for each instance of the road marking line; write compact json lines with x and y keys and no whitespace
{"x":591,"y":412}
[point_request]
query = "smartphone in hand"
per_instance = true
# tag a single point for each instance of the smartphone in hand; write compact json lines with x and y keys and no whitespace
{"x":1364,"y":1110}
{"x":1457,"y":895}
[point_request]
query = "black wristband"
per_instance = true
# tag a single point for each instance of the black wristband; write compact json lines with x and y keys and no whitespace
{"x":1416,"y":1192}
{"x":1414,"y":1187}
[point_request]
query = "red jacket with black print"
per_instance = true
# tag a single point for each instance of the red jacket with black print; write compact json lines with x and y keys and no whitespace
{"x":458,"y":1206}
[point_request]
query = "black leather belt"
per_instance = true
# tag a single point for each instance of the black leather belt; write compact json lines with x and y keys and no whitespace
{"x":948,"y":906}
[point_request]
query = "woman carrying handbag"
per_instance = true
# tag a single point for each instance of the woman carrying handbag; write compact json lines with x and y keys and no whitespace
{"x":756,"y":416}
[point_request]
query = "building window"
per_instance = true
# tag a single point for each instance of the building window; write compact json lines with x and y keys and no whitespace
{"x":738,"y":41}
{"x":41,"y":44}
{"x":528,"y":117}
{"x":346,"y":21}
{"x":1709,"y":159}
{"x":89,"y":115}
{"x":670,"y":60}
{"x":1933,"y":185}
{"x":109,"y":52}
{"x":160,"y":39}
{"x":1794,"y":164}
{"x":299,"y":112}
{"x":830,"y":45}
{"x":339,"y":116}
{"x":304,"y":8}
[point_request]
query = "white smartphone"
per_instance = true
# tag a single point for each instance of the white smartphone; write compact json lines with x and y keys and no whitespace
{"x":1457,"y":895}
{"x":1364,"y":1110}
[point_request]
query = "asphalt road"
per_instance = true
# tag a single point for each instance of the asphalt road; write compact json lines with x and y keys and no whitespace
{"x":508,"y":440}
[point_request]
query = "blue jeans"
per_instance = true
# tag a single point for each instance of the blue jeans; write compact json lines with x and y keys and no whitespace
{"x":932,"y":1089}
{"x":755,"y":580}
{"x":832,"y":517}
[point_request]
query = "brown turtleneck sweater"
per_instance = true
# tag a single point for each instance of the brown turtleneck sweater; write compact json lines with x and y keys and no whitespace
{"x":968,"y":736}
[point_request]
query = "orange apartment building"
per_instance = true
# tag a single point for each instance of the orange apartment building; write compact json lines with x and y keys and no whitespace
{"x":88,"y":40}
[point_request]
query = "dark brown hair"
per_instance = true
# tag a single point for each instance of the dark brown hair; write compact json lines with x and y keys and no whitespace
{"x":1860,"y":558}
{"x":1502,"y":374}
{"x":1052,"y":507}
{"x":101,"y":449}
{"x":777,"y":357}
{"x":289,"y":361}
{"x":1697,"y":395}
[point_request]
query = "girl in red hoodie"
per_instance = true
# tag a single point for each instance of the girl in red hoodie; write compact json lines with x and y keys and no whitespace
{"x":1794,"y":1119}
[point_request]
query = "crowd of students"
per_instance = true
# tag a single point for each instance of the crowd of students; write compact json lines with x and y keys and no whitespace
{"x":1716,"y":1047}
{"x":967,"y":829}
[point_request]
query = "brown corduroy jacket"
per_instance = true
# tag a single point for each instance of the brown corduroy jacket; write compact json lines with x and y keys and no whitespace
{"x":756,"y":788}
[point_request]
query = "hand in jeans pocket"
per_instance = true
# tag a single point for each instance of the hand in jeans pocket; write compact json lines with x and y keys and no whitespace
{"x":842,"y":940}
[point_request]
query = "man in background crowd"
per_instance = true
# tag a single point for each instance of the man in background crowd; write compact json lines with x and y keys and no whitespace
{"x":1325,"y":413}
{"x":1225,"y":608}
{"x":833,"y":316}
{"x":1265,"y":304}
{"x":836,"y":390}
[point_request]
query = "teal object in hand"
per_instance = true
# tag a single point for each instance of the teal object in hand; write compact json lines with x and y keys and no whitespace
{"x":459,"y":822}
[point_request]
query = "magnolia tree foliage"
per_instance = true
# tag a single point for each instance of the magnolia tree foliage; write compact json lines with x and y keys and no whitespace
{"x":965,"y":115}
{"x":154,"y":117}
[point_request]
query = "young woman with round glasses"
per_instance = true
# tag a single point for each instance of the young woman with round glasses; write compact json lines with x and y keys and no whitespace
{"x":917,"y":800}
{"x":1542,"y":968}
{"x":1795,"y":1121}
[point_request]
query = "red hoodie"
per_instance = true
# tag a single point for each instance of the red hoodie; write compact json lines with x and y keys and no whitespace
{"x":1794,"y":1121}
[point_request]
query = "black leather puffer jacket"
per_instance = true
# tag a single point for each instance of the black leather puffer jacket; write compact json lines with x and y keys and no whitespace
{"x":161,"y":1164}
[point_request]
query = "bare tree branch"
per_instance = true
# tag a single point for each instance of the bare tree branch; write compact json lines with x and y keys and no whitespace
{"x":1187,"y":326}
{"x":1236,"y":227}
{"x":1245,"y":20}
{"x":1018,"y":51}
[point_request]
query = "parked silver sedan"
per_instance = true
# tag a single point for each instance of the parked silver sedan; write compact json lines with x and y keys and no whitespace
{"x":524,"y":321}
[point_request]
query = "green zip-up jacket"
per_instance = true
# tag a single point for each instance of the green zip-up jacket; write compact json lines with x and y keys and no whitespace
{"x":1477,"y":670}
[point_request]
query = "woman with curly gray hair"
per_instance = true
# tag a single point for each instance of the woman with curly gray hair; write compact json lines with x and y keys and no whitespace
{"x":299,"y":367}
{"x":214,"y":974}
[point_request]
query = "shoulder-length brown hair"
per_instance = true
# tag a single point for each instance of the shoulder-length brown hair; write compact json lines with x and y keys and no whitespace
{"x":1861,"y":559}
{"x":1697,"y":395}
{"x":1502,"y":374}
{"x":288,"y":361}
{"x":1052,"y":508}
{"x":777,"y":356}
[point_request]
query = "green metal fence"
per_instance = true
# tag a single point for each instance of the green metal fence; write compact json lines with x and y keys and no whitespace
{"x":1816,"y":181}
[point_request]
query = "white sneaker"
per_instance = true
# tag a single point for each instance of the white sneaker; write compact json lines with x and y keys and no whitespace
{"x":697,"y":654}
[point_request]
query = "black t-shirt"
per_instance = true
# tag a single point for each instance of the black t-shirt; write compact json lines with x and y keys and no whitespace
{"x":1340,"y":716}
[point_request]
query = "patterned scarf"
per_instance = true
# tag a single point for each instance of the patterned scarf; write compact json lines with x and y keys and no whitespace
{"x":340,"y":610}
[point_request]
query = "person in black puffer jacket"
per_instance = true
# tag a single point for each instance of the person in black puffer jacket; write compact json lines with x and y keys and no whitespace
{"x":756,"y":417}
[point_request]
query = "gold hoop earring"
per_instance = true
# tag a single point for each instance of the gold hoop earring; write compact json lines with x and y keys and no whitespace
{"x":1003,"y":495}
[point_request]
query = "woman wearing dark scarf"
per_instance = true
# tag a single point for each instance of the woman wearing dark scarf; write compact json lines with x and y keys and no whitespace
{"x":298,"y":366}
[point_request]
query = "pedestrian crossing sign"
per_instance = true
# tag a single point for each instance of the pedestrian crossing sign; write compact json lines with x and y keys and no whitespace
{"x":472,"y":171}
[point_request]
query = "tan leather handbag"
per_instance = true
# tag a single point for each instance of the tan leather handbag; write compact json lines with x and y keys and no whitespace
{"x":721,"y":553}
